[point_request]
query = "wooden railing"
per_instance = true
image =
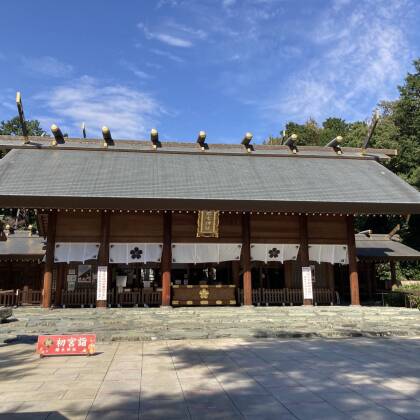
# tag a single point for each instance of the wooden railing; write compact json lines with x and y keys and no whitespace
{"x":88,"y":298}
{"x":83,"y":297}
{"x":8,"y":298}
{"x":290,"y":297}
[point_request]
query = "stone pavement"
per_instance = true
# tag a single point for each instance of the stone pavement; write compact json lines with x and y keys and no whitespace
{"x":139,"y":324}
{"x":357,"y":378}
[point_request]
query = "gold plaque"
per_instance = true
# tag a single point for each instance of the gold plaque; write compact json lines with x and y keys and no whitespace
{"x":175,"y":302}
{"x":204,"y":293}
{"x":232,"y":302}
{"x":219,"y":302}
{"x":189,"y":302}
{"x":204,"y":302}
{"x":208,"y":224}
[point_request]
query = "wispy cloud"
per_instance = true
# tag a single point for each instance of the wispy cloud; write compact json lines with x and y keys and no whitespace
{"x":128,"y":112}
{"x":363,"y":54}
{"x":47,"y":66}
{"x":166,"y":38}
{"x":135,"y":70}
{"x":167,"y":54}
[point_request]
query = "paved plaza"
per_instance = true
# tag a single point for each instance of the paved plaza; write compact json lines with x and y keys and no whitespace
{"x":357,"y":378}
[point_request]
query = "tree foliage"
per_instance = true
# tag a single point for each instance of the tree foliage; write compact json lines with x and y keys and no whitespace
{"x":398,"y":128}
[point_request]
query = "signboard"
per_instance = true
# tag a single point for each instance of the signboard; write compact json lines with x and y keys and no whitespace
{"x":71,"y":282}
{"x":102,"y":282}
{"x":54,"y":345}
{"x":307,"y":283}
{"x":84,"y":274}
{"x":208,"y":224}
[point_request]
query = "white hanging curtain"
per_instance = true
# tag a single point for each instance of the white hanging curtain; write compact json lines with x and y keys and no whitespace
{"x":127,"y":253}
{"x":75,"y":251}
{"x":274,"y":252}
{"x":333,"y":254}
{"x":183,"y":253}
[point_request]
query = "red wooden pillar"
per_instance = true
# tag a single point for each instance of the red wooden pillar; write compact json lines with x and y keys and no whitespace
{"x":354,"y":277}
{"x":246,"y":258}
{"x":304,"y":248}
{"x":166,"y":263}
{"x":103,"y":256}
{"x":49,"y":259}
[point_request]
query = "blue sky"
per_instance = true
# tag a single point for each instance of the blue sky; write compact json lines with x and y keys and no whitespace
{"x":223,"y":66}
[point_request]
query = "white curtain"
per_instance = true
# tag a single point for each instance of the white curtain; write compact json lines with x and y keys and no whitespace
{"x":75,"y":251}
{"x":333,"y":254}
{"x":183,"y":253}
{"x":274,"y":252}
{"x":126,"y":253}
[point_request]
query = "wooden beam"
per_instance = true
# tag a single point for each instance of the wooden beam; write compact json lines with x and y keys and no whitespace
{"x":103,"y":256}
{"x":288,"y":274}
{"x":166,"y":263}
{"x":304,"y":247}
{"x":351,"y":248}
{"x":49,"y":259}
{"x":246,"y":259}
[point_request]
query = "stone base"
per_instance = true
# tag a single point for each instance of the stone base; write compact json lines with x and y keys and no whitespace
{"x":5,"y":313}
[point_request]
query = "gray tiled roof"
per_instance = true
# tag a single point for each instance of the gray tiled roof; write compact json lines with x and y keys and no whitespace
{"x":381,"y":247}
{"x":22,"y":245}
{"x":109,"y":179}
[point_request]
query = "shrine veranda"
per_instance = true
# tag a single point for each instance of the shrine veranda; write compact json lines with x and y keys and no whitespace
{"x":122,"y":222}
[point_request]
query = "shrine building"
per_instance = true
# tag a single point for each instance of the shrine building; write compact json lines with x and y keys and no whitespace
{"x":133,"y":223}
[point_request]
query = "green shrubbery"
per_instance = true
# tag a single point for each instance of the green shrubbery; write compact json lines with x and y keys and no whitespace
{"x":407,"y":295}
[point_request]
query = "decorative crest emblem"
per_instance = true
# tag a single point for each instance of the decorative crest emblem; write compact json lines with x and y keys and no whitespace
{"x":136,"y":253}
{"x":273,"y":253}
{"x":204,"y":293}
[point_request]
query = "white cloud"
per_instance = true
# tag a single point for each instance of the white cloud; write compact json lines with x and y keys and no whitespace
{"x":364,"y":54}
{"x":166,"y":54}
{"x":129,"y":113}
{"x":166,"y":38}
{"x":47,"y":66}
{"x":135,"y":70}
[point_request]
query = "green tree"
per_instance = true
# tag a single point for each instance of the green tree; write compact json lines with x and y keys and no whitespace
{"x":13,"y":127}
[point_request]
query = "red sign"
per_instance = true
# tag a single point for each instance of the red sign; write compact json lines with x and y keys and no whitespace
{"x":54,"y":345}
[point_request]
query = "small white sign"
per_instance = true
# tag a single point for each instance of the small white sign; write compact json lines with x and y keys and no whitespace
{"x":102,"y":283}
{"x":307,"y":283}
{"x":71,"y":282}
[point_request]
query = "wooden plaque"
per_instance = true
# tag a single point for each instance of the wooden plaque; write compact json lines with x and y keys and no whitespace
{"x":208,"y":224}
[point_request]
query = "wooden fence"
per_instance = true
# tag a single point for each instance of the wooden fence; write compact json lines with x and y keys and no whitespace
{"x":290,"y":297}
{"x":87,"y":297}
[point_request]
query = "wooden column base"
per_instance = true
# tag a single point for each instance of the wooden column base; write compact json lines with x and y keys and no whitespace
{"x":166,"y":288}
{"x":247,"y":288}
{"x":101,"y":304}
{"x":308,"y":302}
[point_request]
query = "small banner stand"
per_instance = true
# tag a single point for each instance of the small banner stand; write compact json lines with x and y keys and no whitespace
{"x":65,"y":345}
{"x":102,"y":283}
{"x":208,"y":224}
{"x":307,"y":283}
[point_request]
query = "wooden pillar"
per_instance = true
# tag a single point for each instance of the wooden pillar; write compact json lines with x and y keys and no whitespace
{"x":166,"y":263}
{"x":330,"y":277}
{"x":235,"y":273}
{"x":288,"y":274}
{"x":103,"y":256}
{"x":354,"y":277}
{"x":49,"y":259}
{"x":304,"y":248}
{"x":246,"y":258}
{"x":61,"y":275}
